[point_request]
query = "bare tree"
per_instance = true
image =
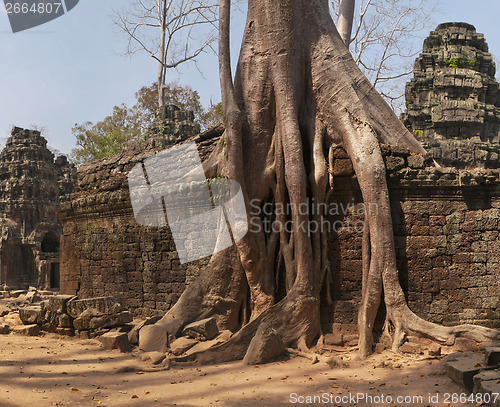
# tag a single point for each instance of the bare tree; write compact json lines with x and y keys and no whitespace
{"x":171,"y":31}
{"x":382,"y":39}
{"x":298,"y":95}
{"x":345,"y":19}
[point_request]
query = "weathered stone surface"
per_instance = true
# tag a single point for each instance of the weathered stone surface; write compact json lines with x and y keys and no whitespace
{"x":133,"y":335}
{"x":493,"y":355}
{"x":484,"y":376}
{"x":204,"y":329}
{"x":31,"y":315}
{"x":409,"y":347}
{"x":31,"y":186}
{"x":12,"y":319}
{"x":153,"y":338}
{"x":17,"y":293}
{"x":173,"y":327}
{"x":4,"y":329}
{"x":33,"y":297}
{"x":491,"y":387}
{"x":115,"y":340}
{"x":3,"y":310}
{"x":103,"y":305}
{"x":66,"y":331}
{"x":434,"y":350}
{"x":336,"y":339}
{"x":29,"y":330}
{"x":265,"y":346}
{"x":454,"y":94}
{"x":462,"y":367}
{"x":93,"y":319}
{"x":181,"y":345}
{"x":65,"y":321}
{"x":58,"y":303}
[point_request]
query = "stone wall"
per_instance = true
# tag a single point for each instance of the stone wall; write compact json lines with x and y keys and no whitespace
{"x":104,"y":251}
{"x":31,"y":185}
{"x":446,"y":228}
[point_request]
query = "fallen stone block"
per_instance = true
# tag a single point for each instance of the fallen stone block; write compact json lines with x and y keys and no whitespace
{"x":265,"y":346}
{"x":31,"y":315}
{"x":58,"y":303}
{"x":485,"y":376}
{"x":465,"y":345}
{"x":17,"y":293}
{"x":33,"y":297}
{"x":153,"y":338}
{"x":66,"y":331}
{"x":133,"y":335}
{"x":181,"y":345}
{"x":335,"y":339}
{"x":462,"y":367}
{"x":65,"y":321}
{"x":412,"y":348}
{"x":29,"y":330}
{"x":3,"y":310}
{"x":12,"y":319}
{"x":115,"y":340}
{"x":173,"y":327}
{"x":204,"y":329}
{"x":493,"y":355}
{"x":104,"y":305}
{"x":491,"y":388}
{"x":4,"y":329}
{"x":434,"y":350}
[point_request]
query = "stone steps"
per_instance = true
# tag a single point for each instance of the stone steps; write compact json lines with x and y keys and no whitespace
{"x":477,"y":372}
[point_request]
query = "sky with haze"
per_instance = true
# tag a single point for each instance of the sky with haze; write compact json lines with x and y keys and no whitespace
{"x":72,"y":69}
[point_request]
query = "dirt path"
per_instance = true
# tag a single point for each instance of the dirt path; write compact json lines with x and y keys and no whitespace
{"x":53,"y":370}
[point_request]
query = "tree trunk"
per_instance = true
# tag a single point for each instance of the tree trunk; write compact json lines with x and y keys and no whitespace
{"x":297,"y":94}
{"x":345,"y":20}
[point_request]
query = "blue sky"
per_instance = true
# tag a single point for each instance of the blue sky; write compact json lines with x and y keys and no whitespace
{"x":72,"y":69}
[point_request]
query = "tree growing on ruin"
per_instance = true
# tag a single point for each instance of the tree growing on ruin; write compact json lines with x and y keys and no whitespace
{"x":173,"y":32}
{"x":106,"y":137}
{"x":297,"y":95}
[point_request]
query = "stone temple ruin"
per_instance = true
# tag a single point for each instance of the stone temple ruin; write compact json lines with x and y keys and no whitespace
{"x":31,"y":186}
{"x":446,"y":219}
{"x":453,"y":100}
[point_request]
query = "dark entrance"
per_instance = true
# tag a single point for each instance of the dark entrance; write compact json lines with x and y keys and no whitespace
{"x":54,"y":275}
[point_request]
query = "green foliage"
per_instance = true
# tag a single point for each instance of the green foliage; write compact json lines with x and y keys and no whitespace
{"x":472,"y":63}
{"x":105,"y":138}
{"x":452,"y":62}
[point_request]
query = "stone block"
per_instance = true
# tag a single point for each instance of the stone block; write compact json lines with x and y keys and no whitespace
{"x":66,"y":331}
{"x":153,"y":338}
{"x":204,"y":329}
{"x":65,"y":321}
{"x":493,"y":355}
{"x":434,"y":349}
{"x":31,"y":315}
{"x":4,"y":329}
{"x":133,"y":335}
{"x":336,"y":339}
{"x":58,"y":303}
{"x":17,"y":293}
{"x":181,"y":345}
{"x":29,"y":330}
{"x":115,"y":340}
{"x":104,"y":305}
{"x":462,"y":367}
{"x":3,"y":310}
{"x":265,"y":346}
{"x":485,"y":376}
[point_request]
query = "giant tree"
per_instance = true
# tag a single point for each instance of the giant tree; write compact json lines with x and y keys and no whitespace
{"x":297,"y":94}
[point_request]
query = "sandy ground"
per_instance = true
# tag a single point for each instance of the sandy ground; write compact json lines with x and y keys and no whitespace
{"x":52,"y":370}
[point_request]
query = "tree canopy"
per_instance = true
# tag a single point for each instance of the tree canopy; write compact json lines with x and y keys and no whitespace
{"x":105,"y":137}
